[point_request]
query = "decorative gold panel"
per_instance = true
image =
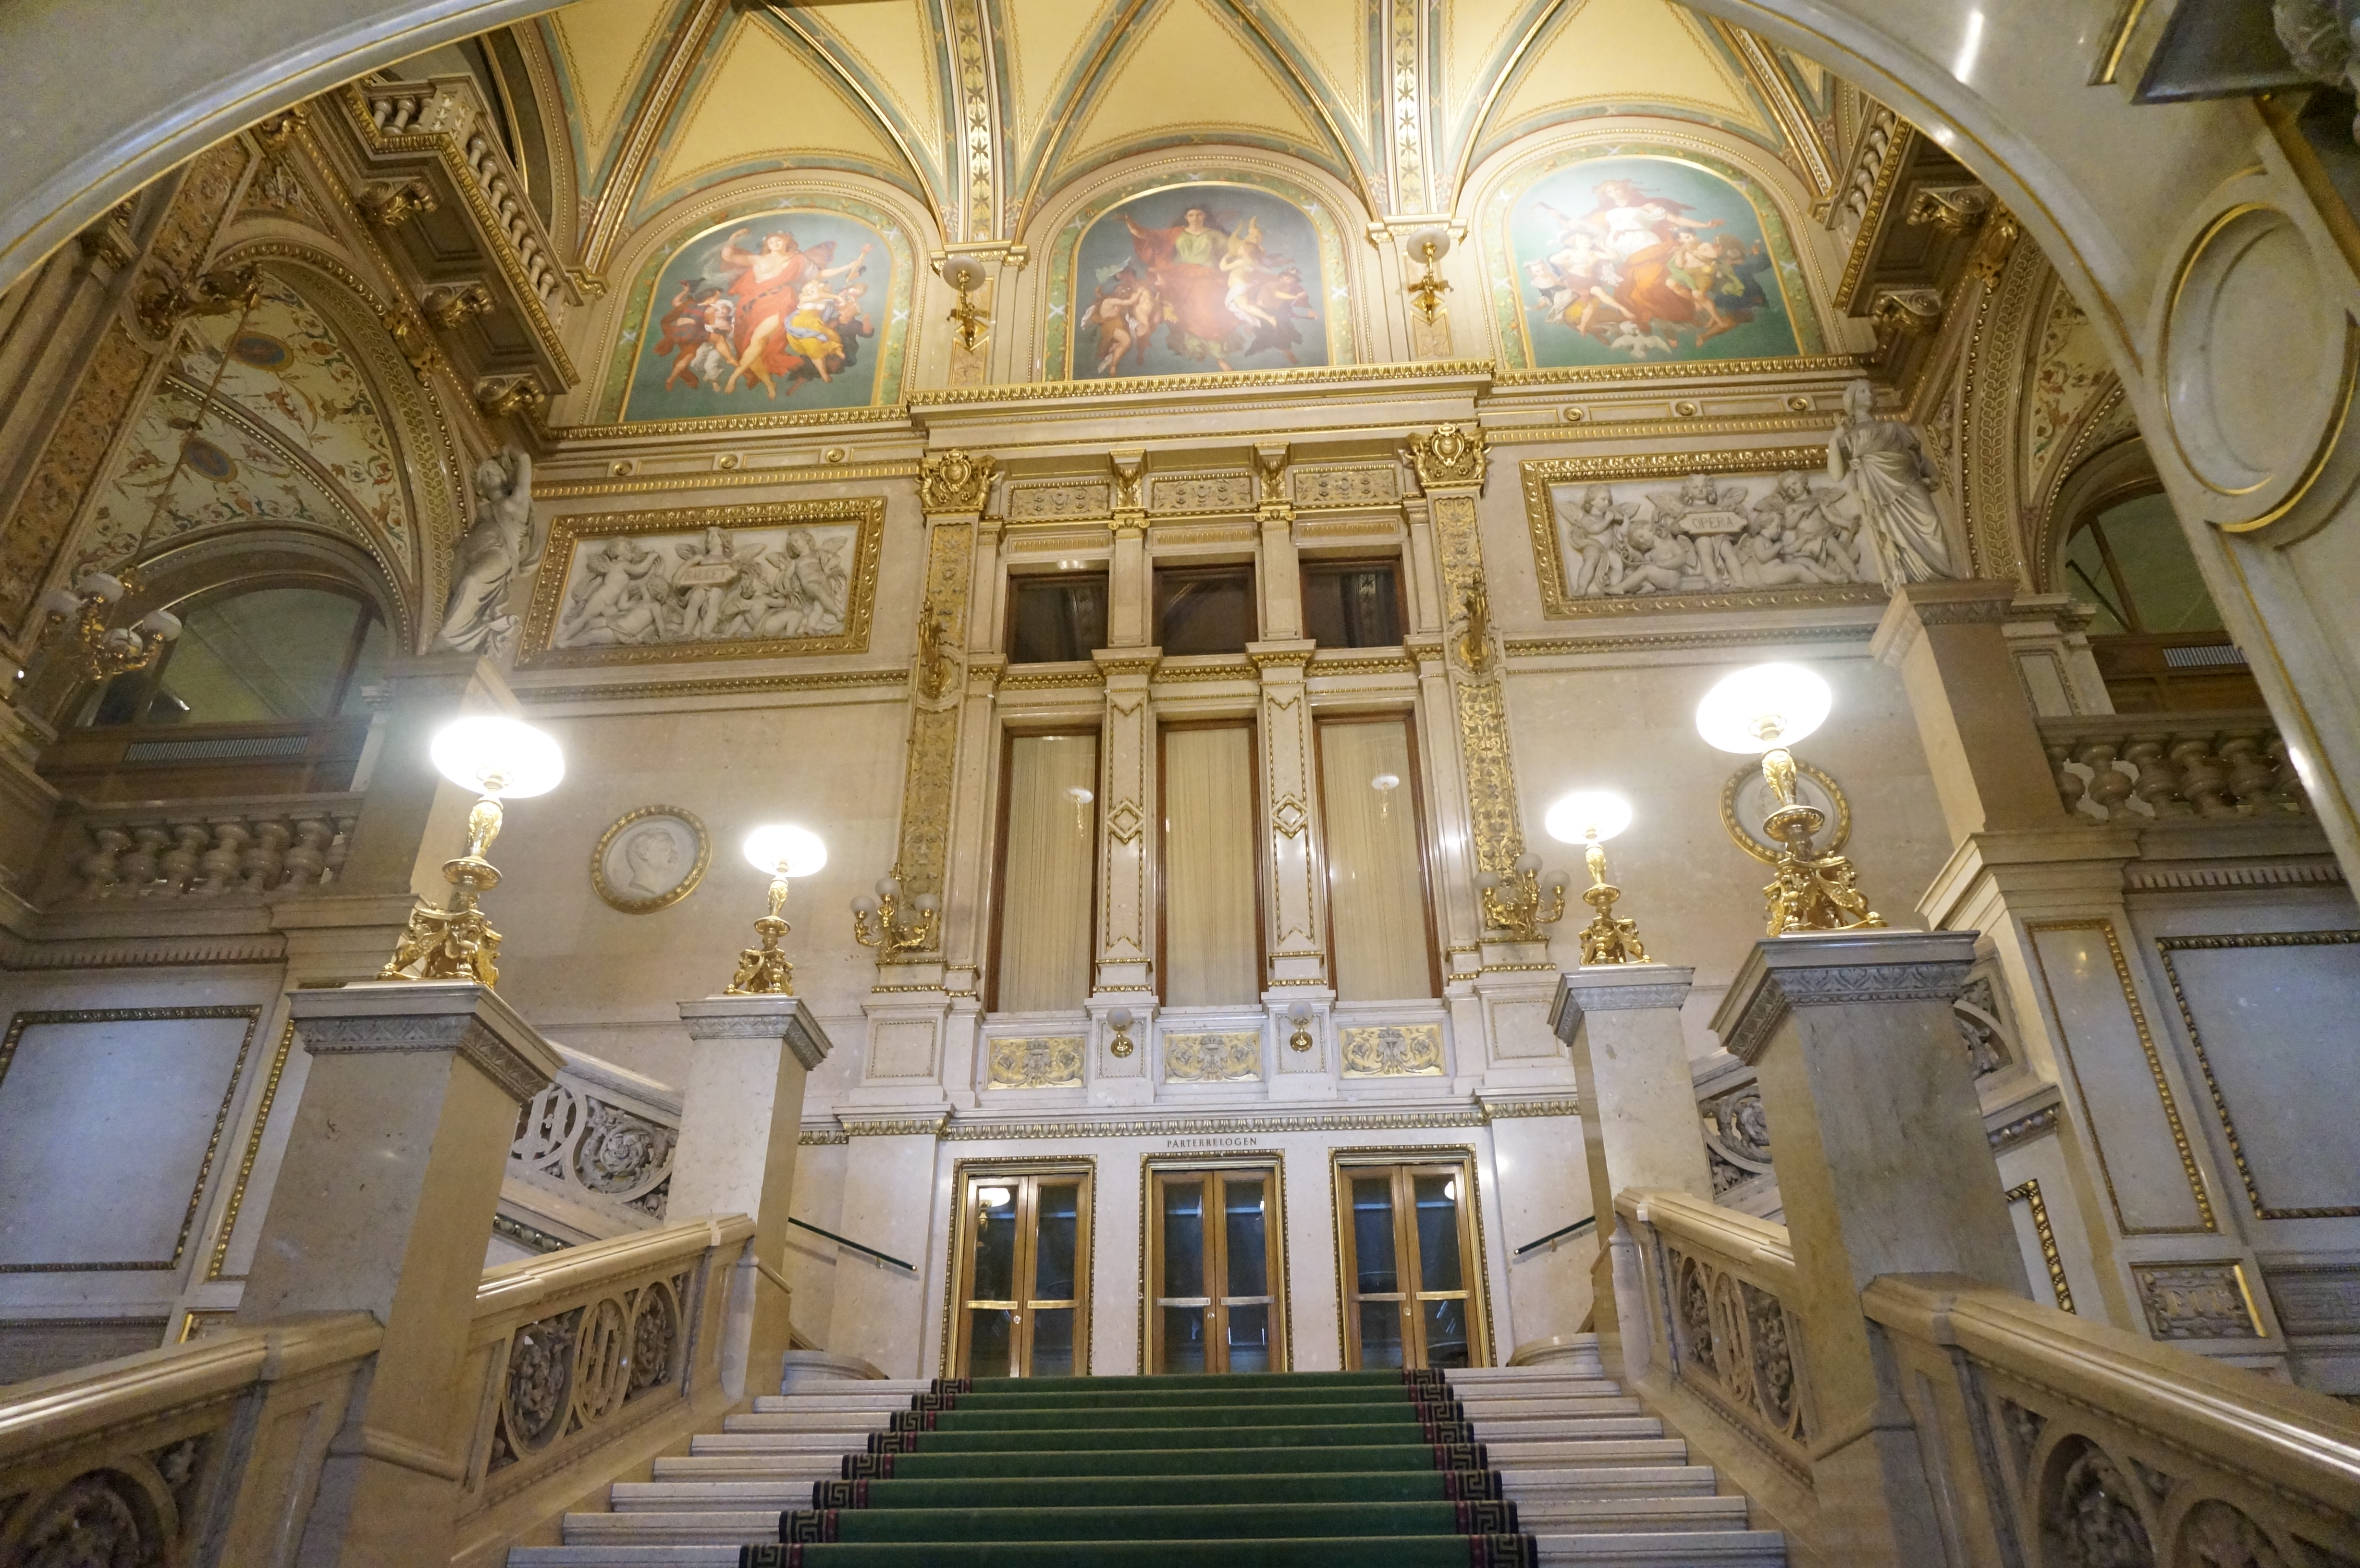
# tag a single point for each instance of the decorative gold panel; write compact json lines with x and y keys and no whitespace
{"x":705,"y":582}
{"x":1393,"y":1051}
{"x":2197,"y":1301}
{"x":1212,"y":1058}
{"x":2029,"y":1194}
{"x":1482,"y":700}
{"x":1042,"y":1061}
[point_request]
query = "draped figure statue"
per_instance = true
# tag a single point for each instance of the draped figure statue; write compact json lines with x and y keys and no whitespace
{"x":1886,"y":487}
{"x":485,"y":566}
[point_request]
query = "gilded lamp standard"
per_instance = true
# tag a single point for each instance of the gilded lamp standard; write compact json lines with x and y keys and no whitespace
{"x":1590,"y":817}
{"x":783,"y":850}
{"x":498,"y":758}
{"x":1764,"y":710}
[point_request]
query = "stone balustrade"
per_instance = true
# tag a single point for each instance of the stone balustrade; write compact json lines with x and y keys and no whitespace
{"x":598,"y":1139}
{"x":205,"y":848}
{"x":204,"y":1454}
{"x":2138,"y":767}
{"x":451,"y":106}
{"x":2058,"y":1440}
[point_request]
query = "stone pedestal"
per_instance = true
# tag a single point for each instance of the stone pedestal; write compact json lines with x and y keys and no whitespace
{"x":384,"y":1199}
{"x":1884,"y":1169}
{"x":1949,"y":642}
{"x":1639,"y":1126}
{"x":741,"y":1112}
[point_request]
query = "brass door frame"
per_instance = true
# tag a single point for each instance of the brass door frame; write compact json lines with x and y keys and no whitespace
{"x":958,"y":1277}
{"x":1151,"y":1244}
{"x":1456,"y":1160}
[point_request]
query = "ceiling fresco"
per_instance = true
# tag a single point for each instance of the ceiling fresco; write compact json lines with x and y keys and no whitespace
{"x":984,"y":110}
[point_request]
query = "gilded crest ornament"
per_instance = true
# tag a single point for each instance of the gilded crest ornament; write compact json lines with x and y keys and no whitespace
{"x":1452,"y":455}
{"x":956,"y":482}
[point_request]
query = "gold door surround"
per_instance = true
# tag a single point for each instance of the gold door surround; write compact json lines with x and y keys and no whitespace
{"x":1214,"y":1174}
{"x":1021,"y":1189}
{"x":1421,"y":1286}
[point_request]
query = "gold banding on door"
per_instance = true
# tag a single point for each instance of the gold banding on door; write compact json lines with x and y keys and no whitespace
{"x":1021,"y":1284}
{"x":1411,"y":1255}
{"x":1216,"y":1299}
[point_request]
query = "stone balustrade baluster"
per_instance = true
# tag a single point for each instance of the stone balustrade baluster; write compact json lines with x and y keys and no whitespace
{"x":266,"y":855}
{"x":339,"y":846}
{"x":2203,"y":781}
{"x":2291,"y":796}
{"x":2251,"y":778}
{"x":102,"y":867}
{"x":2109,"y":786}
{"x":139,"y":867}
{"x":179,"y":862}
{"x":2157,"y":784}
{"x":309,"y":855}
{"x":223,"y":860}
{"x":2070,"y":786}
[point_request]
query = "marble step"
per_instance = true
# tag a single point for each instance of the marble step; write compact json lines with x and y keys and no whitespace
{"x":861,"y":1423}
{"x":788,"y":1404}
{"x":726,"y":1466}
{"x":1613,"y":1515}
{"x":1562,"y":1453}
{"x":1539,"y":1487}
{"x":1490,"y":1411}
{"x":699,"y":1526}
{"x":1662,"y":1549}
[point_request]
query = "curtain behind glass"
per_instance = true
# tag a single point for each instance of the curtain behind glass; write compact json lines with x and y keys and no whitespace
{"x":1376,"y":890}
{"x":1046,"y":874}
{"x":1210,"y":954}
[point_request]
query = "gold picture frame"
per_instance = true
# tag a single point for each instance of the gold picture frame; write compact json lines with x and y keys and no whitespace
{"x":1540,"y":474}
{"x":602,"y":881}
{"x":720,"y":570}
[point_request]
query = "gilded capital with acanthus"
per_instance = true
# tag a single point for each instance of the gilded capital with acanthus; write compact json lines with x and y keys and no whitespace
{"x":1452,"y":455}
{"x":956,"y":482}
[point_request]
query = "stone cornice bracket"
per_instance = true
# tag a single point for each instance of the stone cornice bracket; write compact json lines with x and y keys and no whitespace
{"x":429,"y":1016}
{"x":787,"y":1019}
{"x":955,"y":482}
{"x":1270,"y":481}
{"x":1614,"y":988}
{"x":1959,"y":602}
{"x":1453,"y":457}
{"x":1115,"y":663}
{"x":1953,"y":208}
{"x":1838,"y":969}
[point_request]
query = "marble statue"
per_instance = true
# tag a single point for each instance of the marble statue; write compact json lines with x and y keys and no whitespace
{"x":1712,"y":535}
{"x":718,"y":585}
{"x":485,"y":567}
{"x":1887,"y":488}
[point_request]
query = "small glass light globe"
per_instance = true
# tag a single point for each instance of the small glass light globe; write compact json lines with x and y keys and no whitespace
{"x":785,"y":850}
{"x":505,"y":759}
{"x":1587,"y":814}
{"x":1766,"y":707}
{"x":992,"y":1197}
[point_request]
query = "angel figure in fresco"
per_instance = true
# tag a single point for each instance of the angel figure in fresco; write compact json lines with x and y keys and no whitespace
{"x":1645,"y":262}
{"x":1199,"y":268}
{"x":1124,"y":315}
{"x":768,"y":292}
{"x":682,"y":330}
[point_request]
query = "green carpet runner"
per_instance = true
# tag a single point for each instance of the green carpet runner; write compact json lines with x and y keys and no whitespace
{"x":1248,"y":1470}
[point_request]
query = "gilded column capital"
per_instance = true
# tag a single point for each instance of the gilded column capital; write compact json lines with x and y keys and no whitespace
{"x":956,"y":482}
{"x":1453,"y":457}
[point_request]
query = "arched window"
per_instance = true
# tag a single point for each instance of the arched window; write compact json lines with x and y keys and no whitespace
{"x":260,"y":655}
{"x":2157,"y":635}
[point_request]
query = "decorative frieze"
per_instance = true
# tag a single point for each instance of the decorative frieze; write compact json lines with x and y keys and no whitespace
{"x":1392,"y":1050}
{"x":1213,"y":1058}
{"x":1044,"y":1061}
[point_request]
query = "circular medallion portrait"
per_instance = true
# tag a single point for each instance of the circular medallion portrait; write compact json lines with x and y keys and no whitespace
{"x":651,"y":857}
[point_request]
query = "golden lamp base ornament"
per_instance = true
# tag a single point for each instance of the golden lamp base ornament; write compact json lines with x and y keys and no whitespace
{"x":457,"y":943}
{"x":1519,"y":902}
{"x":1608,"y":938}
{"x":1810,"y":892}
{"x":763,"y":970}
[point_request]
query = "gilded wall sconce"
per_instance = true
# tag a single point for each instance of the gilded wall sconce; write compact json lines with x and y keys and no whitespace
{"x":1429,"y":246}
{"x":1120,"y":1020}
{"x":1521,"y":900}
{"x":102,"y":651}
{"x":1299,"y":1014}
{"x":966,"y":275}
{"x":883,"y":922}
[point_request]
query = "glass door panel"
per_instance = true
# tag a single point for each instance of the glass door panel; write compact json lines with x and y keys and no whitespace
{"x":1407,"y":1302}
{"x":1023,"y":1275}
{"x":1215,"y":1307}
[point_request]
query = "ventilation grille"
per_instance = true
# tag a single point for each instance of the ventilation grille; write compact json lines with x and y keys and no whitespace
{"x":226,"y":748}
{"x":2200,"y":658}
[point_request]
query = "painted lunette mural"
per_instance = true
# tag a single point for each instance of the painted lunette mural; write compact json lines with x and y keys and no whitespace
{"x":1197,"y":276}
{"x":777,"y":308}
{"x":1630,"y":259}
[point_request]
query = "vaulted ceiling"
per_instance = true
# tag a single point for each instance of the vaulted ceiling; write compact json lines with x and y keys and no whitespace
{"x":984,"y":109}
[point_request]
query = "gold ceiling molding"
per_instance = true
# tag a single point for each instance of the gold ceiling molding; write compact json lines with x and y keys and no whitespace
{"x":1652,"y":642}
{"x":727,"y":479}
{"x":632,"y":164}
{"x":1304,"y":375}
{"x":1685,"y":370}
{"x":871,"y":414}
{"x":719,"y":686}
{"x":1586,"y":429}
{"x":1795,"y":122}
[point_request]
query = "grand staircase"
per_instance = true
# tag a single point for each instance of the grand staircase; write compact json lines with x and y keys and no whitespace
{"x":1486,"y":1468}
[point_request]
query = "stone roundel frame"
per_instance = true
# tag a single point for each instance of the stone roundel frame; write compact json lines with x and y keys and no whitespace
{"x":1745,"y":839}
{"x":688,"y":884}
{"x":2265,"y":443}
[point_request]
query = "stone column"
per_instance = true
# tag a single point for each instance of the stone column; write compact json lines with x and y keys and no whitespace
{"x":741,"y":1112}
{"x":1639,"y":1126}
{"x":1127,"y":809}
{"x":383,"y":1203}
{"x":1949,"y":642}
{"x":1294,"y":899}
{"x":1884,"y":1169}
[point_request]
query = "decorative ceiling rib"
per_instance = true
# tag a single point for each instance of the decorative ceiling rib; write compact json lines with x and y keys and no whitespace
{"x":986,"y":109}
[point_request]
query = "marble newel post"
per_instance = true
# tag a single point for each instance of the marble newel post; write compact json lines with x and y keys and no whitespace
{"x":383,"y":1203}
{"x":1639,"y":1126}
{"x":739,"y":1117}
{"x":1884,"y":1168}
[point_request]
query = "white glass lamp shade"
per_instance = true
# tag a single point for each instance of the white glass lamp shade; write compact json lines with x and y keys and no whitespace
{"x":963,"y":274}
{"x":166,"y":625}
{"x":785,"y":849}
{"x":1587,"y":814}
{"x":497,"y":757}
{"x":1769,"y":705}
{"x":1434,"y":236}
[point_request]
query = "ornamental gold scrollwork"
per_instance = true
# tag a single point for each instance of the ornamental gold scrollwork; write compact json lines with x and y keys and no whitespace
{"x":1452,"y":455}
{"x":956,"y":482}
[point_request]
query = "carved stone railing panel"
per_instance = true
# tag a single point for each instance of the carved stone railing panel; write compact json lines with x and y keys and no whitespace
{"x":601,"y":1139}
{"x":1725,"y":1328}
{"x":156,"y":1458}
{"x":584,"y":1348}
{"x":2141,"y":768}
{"x":2062,"y":1440}
{"x":205,"y":848}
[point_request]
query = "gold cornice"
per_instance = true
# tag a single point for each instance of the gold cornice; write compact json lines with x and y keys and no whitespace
{"x":1795,"y":122}
{"x":872,"y":414}
{"x":1681,"y":370}
{"x":1651,"y":642}
{"x":1303,"y":376}
{"x":729,"y":479}
{"x":1880,"y":197}
{"x":726,"y":686}
{"x":1632,"y":429}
